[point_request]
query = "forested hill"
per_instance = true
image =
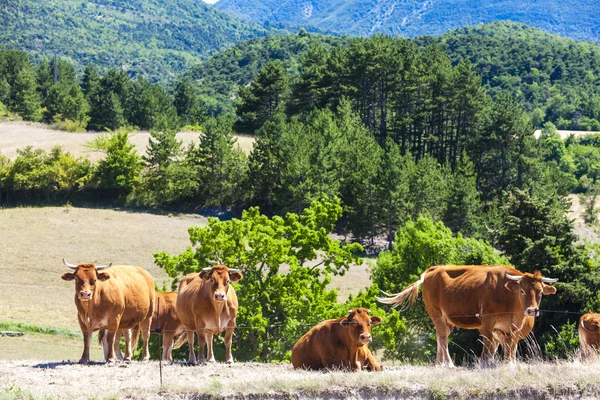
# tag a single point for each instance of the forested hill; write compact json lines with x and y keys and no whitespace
{"x":156,"y":38}
{"x":555,"y":79}
{"x":577,"y":19}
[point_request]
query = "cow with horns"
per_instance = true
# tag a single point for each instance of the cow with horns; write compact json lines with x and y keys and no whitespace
{"x":338,"y":344}
{"x":589,"y":334}
{"x":112,"y":298}
{"x":498,"y":300}
{"x":207,"y":304}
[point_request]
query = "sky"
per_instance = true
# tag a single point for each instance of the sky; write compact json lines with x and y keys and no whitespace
{"x":210,"y":1}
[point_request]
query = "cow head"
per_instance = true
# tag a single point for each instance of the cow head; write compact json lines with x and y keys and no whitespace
{"x":85,"y":276}
{"x":359,"y":322}
{"x":530,"y":288}
{"x":219,"y":277}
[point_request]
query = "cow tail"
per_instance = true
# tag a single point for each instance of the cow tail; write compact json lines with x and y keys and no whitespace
{"x":409,"y":295}
{"x":180,"y":340}
{"x":135,"y":338}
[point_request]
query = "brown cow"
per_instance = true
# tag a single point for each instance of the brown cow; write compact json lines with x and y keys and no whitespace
{"x":207,"y":304}
{"x":165,"y":314}
{"x":338,"y":344}
{"x":113,"y":298}
{"x":589,"y":334}
{"x":496,"y":299}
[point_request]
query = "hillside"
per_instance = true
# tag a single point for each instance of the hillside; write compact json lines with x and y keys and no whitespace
{"x":151,"y":37}
{"x":576,"y":19}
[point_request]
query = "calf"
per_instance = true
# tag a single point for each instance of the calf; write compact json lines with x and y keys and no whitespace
{"x":338,"y":344}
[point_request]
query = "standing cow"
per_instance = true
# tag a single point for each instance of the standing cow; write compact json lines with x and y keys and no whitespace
{"x":495,"y":299}
{"x":589,"y":334}
{"x":207,"y":304}
{"x":113,"y":298}
{"x":165,"y":322}
{"x":338,"y":344}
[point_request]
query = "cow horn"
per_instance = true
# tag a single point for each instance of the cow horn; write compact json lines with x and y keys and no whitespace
{"x":349,"y":311}
{"x":514,"y":277}
{"x":101,"y":267}
{"x":368,"y":311}
{"x":234,"y":271}
{"x":69,"y":265}
{"x":549,"y":280}
{"x":207,"y":269}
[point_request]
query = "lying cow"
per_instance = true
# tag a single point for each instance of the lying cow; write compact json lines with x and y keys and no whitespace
{"x":338,"y":344}
{"x":113,"y":298}
{"x":494,"y":299}
{"x":589,"y":334}
{"x":165,"y":322}
{"x":207,"y":304}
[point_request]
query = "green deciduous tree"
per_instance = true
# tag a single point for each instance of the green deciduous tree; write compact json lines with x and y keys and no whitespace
{"x":286,"y":262}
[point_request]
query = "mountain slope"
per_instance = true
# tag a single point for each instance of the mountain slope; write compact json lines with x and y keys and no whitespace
{"x":576,"y":19}
{"x":157,"y":38}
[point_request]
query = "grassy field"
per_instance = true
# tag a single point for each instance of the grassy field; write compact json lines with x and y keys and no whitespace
{"x":65,"y":380}
{"x":15,"y":135}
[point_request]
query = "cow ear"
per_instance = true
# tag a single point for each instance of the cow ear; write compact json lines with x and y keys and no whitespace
{"x":375,"y":320}
{"x":236,"y":276}
{"x":102,"y":276}
{"x":549,"y":290}
{"x":513,"y":286}
{"x":345,"y":323}
{"x":205,"y":275}
{"x":68,"y":276}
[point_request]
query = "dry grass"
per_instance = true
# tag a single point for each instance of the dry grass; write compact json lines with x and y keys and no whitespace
{"x":16,"y":135}
{"x":251,"y":380}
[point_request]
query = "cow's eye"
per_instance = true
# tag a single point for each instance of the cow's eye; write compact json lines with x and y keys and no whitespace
{"x":522,"y":292}
{"x":227,"y":282}
{"x":212,"y":280}
{"x":93,"y":282}
{"x":77,"y":280}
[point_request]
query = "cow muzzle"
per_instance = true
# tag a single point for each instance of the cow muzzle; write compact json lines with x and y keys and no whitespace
{"x":532,"y":312}
{"x":366,"y":338}
{"x":85,"y":296}
{"x":220,"y":296}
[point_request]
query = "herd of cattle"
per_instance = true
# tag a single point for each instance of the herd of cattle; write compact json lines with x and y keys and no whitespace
{"x":500,"y":301}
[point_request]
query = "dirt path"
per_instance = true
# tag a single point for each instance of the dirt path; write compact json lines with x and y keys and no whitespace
{"x":585,"y":232}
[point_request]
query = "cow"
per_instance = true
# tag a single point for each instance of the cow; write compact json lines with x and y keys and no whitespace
{"x":338,"y":344}
{"x":495,"y":299}
{"x":589,"y":334}
{"x":165,"y":322}
{"x":114,"y":298}
{"x":207,"y":304}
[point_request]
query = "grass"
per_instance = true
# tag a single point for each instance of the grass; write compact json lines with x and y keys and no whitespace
{"x":252,"y":380}
{"x":22,"y":327}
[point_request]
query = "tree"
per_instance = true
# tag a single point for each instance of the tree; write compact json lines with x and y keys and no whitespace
{"x":68,"y":101}
{"x":187,"y":105}
{"x":259,"y":101}
{"x":276,"y":302}
{"x":119,"y":171}
{"x":463,"y":205}
{"x":26,"y":99}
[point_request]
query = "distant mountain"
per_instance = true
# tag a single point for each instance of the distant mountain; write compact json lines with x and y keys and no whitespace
{"x":576,"y":19}
{"x":156,"y":38}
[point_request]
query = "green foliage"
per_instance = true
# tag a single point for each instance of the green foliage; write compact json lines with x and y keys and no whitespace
{"x":119,"y":171}
{"x":151,"y":38}
{"x":563,"y":343}
{"x":37,"y":175}
{"x":276,"y":303}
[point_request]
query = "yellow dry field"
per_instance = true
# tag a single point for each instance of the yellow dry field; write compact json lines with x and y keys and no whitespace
{"x":15,"y":135}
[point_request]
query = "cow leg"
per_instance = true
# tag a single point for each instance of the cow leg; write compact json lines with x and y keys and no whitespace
{"x":190,"y":338}
{"x":442,"y":331}
{"x":87,"y":339}
{"x":167,"y":345}
{"x":210,"y":357}
{"x":371,"y":363}
{"x":145,"y":328}
{"x":128,"y":345}
{"x":104,"y":345}
{"x":111,"y":334}
{"x":228,"y":340}
{"x":490,"y":346}
{"x":201,"y":343}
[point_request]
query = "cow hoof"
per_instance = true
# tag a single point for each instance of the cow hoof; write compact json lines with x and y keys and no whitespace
{"x":84,"y":361}
{"x":230,"y":361}
{"x":110,"y":363}
{"x":212,"y":360}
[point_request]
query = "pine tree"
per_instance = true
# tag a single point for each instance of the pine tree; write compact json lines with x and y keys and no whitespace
{"x":259,"y":101}
{"x":463,"y":206}
{"x":186,"y":104}
{"x":26,"y":96}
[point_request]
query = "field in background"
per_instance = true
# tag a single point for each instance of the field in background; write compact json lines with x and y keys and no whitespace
{"x":17,"y":135}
